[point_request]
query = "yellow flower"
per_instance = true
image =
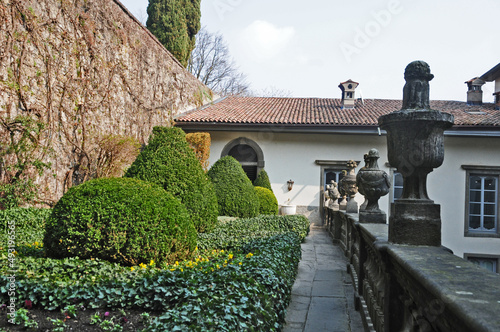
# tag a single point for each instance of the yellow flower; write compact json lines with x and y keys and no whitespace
{"x":152,"y":262}
{"x":182,"y":269}
{"x":132,"y":268}
{"x":230,"y":256}
{"x":249,"y":255}
{"x":142,"y":265}
{"x":240,"y":263}
{"x":176,"y":263}
{"x":36,"y":243}
{"x":172,"y":269}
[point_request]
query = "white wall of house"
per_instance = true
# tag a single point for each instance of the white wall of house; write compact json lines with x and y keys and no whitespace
{"x":292,"y":156}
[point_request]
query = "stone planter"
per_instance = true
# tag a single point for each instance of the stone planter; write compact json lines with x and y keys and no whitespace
{"x":288,"y":209}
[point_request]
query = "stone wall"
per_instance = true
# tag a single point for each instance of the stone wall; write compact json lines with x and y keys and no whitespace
{"x":74,"y":73}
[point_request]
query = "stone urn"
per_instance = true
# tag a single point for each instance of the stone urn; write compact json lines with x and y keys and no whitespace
{"x":415,"y":143}
{"x":349,"y":187}
{"x":334,"y":195}
{"x":372,"y":183}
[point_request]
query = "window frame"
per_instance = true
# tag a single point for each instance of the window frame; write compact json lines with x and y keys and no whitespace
{"x":259,"y":164}
{"x":468,"y":256}
{"x":493,"y":171}
{"x":335,"y":165}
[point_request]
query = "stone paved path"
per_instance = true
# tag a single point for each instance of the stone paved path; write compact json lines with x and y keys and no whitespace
{"x":322,"y":295}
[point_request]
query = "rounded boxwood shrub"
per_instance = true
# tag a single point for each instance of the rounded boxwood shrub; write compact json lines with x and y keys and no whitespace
{"x":121,"y":220}
{"x":262,"y":180}
{"x":268,"y":204}
{"x":168,"y":161}
{"x":235,"y":193}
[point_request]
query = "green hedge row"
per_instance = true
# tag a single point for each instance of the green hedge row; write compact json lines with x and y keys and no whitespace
{"x":233,"y":233}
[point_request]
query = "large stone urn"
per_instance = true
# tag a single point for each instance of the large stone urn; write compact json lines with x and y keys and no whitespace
{"x":415,"y":142}
{"x":372,"y":183}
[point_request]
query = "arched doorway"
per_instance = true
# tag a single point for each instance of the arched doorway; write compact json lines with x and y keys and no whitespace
{"x":248,"y":153}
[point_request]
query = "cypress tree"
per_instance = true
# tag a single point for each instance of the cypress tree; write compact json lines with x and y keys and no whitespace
{"x":175,"y":23}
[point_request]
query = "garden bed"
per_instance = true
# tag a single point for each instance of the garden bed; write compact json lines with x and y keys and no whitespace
{"x":239,"y":279}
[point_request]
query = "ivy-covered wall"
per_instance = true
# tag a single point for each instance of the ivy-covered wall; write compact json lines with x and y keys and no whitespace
{"x":76,"y":75}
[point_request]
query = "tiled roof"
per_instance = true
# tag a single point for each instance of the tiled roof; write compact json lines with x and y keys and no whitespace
{"x":325,"y":112}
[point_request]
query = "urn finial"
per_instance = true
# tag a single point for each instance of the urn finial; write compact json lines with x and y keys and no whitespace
{"x":416,"y":90}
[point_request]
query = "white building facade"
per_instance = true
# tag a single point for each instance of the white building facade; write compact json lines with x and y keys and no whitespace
{"x":314,"y":138}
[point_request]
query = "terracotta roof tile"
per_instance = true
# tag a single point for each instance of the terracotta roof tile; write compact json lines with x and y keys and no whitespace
{"x":326,"y":111}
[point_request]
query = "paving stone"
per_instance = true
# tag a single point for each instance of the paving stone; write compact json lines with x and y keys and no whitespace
{"x":327,"y":288}
{"x":293,"y":327}
{"x":325,"y":274}
{"x":327,"y":314}
{"x":302,"y":287}
{"x":298,"y":309}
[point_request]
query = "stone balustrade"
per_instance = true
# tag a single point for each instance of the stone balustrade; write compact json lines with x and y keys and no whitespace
{"x":413,"y":288}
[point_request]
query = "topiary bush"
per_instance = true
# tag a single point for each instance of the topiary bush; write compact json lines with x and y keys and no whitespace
{"x":268,"y":204}
{"x":262,"y":180}
{"x":235,"y":193}
{"x":168,"y":161}
{"x":121,"y":220}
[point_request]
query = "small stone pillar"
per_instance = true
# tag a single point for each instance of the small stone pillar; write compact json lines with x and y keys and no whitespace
{"x":349,"y":187}
{"x":415,"y":143}
{"x":372,"y":183}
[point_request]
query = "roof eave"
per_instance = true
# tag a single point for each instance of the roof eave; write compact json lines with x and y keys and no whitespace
{"x":280,"y":128}
{"x":455,"y":131}
{"x":491,"y":74}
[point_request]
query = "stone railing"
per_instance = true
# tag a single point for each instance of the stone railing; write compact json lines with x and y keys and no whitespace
{"x":413,"y":288}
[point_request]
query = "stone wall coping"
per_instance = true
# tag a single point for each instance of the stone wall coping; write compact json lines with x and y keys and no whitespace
{"x":471,"y":292}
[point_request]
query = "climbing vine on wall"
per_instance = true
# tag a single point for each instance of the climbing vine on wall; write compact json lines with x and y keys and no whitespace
{"x":78,"y":82}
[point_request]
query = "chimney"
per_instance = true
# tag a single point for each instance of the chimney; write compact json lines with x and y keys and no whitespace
{"x":348,"y":97}
{"x":474,"y":92}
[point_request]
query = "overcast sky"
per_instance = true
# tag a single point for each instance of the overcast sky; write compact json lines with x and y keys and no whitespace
{"x":309,"y":47}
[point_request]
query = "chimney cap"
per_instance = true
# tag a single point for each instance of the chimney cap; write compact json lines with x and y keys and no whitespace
{"x":475,"y":81}
{"x":345,"y":84}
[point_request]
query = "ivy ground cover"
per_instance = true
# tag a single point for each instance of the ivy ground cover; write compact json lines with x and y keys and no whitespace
{"x":239,"y":279}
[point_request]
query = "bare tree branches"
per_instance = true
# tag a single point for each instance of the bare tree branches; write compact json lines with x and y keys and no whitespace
{"x":212,"y":64}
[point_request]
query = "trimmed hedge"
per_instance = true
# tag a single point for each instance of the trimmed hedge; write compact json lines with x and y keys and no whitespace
{"x":231,"y":234}
{"x":29,"y":223}
{"x":262,"y":180}
{"x":235,"y":193}
{"x":121,"y":220}
{"x":268,"y":204}
{"x":168,"y":161}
